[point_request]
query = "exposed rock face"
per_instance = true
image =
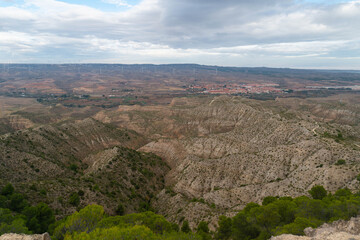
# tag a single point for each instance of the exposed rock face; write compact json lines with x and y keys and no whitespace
{"x":12,"y":236}
{"x":339,"y":230}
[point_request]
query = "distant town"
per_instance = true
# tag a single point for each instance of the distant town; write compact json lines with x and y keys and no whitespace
{"x":257,"y":88}
{"x":236,"y":88}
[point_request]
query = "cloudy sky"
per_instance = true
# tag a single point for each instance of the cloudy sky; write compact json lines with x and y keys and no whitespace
{"x":272,"y":33}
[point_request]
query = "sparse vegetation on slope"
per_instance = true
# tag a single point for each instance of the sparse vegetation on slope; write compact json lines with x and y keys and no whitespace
{"x":223,"y":153}
{"x":73,"y":164}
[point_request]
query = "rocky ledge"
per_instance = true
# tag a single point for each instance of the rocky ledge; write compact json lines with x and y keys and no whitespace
{"x":12,"y":236}
{"x":339,"y":230}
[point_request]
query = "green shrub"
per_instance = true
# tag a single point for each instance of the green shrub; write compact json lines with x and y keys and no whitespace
{"x":268,"y":200}
{"x":157,"y":223}
{"x":185,"y":227}
{"x":74,"y":199}
{"x":16,"y":226}
{"x":7,"y":190}
{"x":203,"y":227}
{"x":81,"y":193}
{"x":224,"y":229}
{"x":115,"y":233}
{"x":318,"y":192}
{"x":340,"y":162}
{"x":297,"y":227}
{"x":120,"y":210}
{"x":17,"y":202}
{"x":344,"y":192}
{"x":85,"y":220}
{"x":39,"y":217}
{"x":358,"y":177}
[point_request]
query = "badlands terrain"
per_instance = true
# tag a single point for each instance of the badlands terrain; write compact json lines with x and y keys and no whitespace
{"x":158,"y":146}
{"x":226,"y":151}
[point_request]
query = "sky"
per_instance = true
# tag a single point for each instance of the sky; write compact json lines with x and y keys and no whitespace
{"x":246,"y":33}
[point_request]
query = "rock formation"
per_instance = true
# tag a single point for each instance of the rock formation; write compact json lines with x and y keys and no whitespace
{"x":339,"y":230}
{"x":12,"y":236}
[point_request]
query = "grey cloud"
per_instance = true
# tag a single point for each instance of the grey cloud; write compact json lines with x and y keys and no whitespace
{"x":187,"y":24}
{"x":187,"y":29}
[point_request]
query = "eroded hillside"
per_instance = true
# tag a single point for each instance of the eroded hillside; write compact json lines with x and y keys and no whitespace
{"x":227,"y":151}
{"x":222,"y":152}
{"x":72,"y":164}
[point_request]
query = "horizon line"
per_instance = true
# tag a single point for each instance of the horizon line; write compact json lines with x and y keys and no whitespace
{"x":163,"y":64}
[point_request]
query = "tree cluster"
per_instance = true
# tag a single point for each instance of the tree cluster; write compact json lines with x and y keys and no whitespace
{"x":18,"y":216}
{"x":275,"y":216}
{"x":286,"y":215}
{"x":91,"y":223}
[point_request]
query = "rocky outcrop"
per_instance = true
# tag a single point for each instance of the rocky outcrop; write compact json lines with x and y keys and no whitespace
{"x":339,"y":230}
{"x":12,"y":236}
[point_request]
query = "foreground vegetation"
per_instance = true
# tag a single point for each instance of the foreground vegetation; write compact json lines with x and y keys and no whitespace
{"x":91,"y":223}
{"x":18,"y":216}
{"x":276,"y":216}
{"x":286,"y":215}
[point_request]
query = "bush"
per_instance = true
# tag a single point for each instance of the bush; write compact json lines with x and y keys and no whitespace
{"x":345,"y":192}
{"x":7,"y":190}
{"x":115,"y":233}
{"x":3,"y":202}
{"x":6,"y":216}
{"x":298,"y":226}
{"x":74,"y":168}
{"x":340,"y":162}
{"x":203,"y":227}
{"x":39,"y":217}
{"x":268,"y":200}
{"x":185,"y":227}
{"x":17,"y":226}
{"x":85,"y":220}
{"x":17,"y":202}
{"x":318,"y":192}
{"x":242,"y":228}
{"x":224,"y":230}
{"x":74,"y":199}
{"x":157,"y":223}
{"x":120,"y":210}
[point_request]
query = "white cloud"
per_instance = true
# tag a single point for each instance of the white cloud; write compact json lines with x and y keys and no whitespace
{"x":209,"y":31}
{"x":8,"y":13}
{"x":119,"y":3}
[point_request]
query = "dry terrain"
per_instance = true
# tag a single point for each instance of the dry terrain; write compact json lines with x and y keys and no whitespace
{"x":227,"y":151}
{"x":133,"y":134}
